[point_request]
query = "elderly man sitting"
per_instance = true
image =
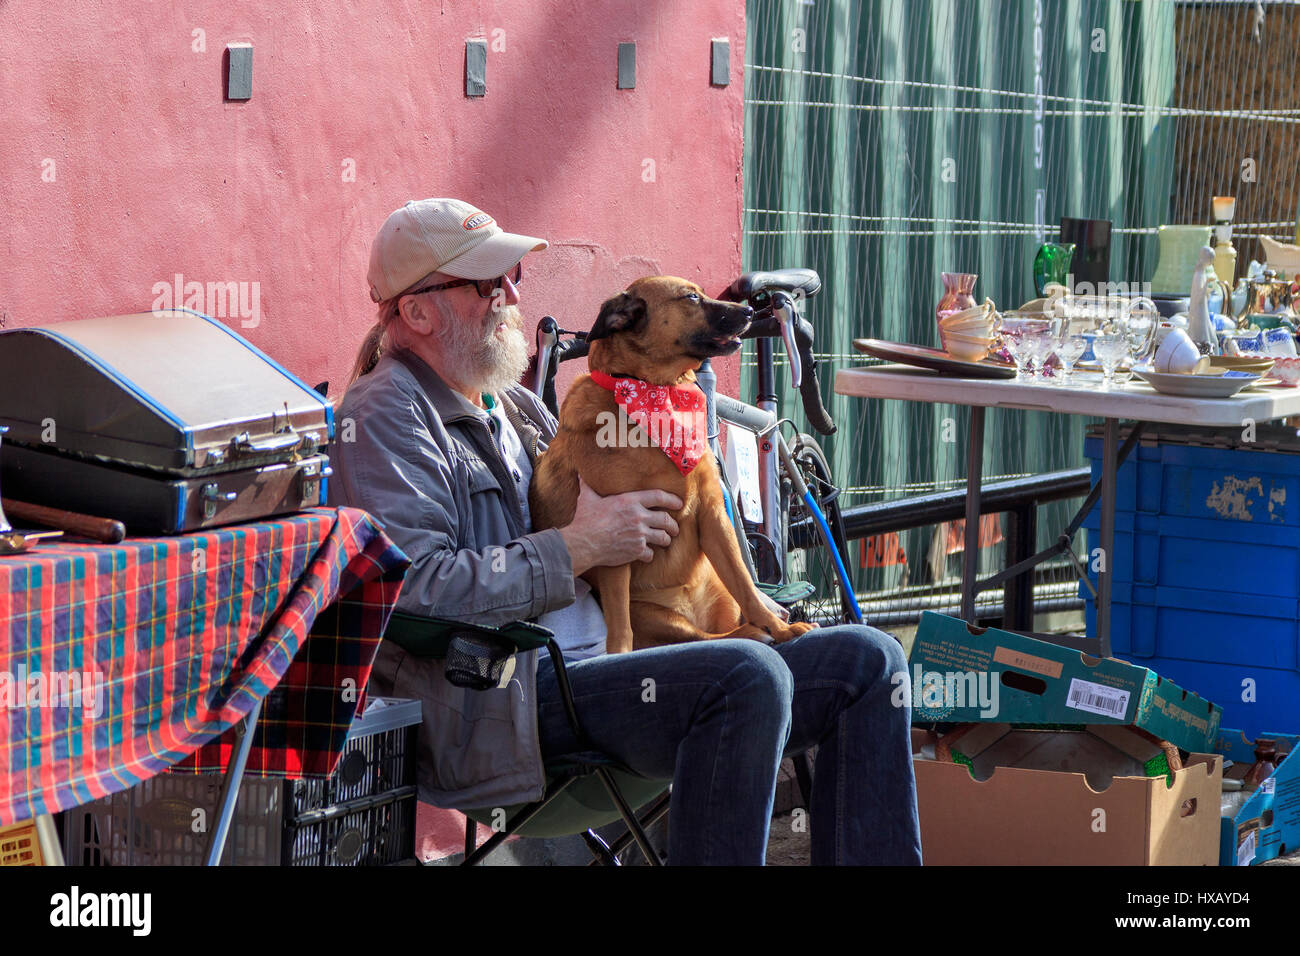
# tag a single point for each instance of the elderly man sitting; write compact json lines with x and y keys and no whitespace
{"x":445,"y":442}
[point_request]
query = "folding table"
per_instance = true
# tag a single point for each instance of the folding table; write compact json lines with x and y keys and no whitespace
{"x":1134,"y":401}
{"x":179,"y":640}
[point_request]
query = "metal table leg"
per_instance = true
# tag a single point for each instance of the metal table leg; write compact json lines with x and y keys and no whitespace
{"x":971,"y":549}
{"x":230,"y":787}
{"x":1109,"y":478}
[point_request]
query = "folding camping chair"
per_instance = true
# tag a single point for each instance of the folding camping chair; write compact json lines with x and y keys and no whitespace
{"x":580,"y":794}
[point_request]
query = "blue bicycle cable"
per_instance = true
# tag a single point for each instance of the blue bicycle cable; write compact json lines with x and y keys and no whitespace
{"x":845,"y":583}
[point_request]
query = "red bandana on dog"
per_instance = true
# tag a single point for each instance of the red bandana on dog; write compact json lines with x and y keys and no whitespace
{"x":673,"y":416}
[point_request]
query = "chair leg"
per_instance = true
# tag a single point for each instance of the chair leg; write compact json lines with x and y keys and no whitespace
{"x":523,"y":816}
{"x":471,"y":836}
{"x":629,"y":817}
{"x":600,"y":849}
{"x":648,"y":819}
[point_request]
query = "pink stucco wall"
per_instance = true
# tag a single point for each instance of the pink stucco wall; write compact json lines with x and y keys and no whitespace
{"x":121,"y":166}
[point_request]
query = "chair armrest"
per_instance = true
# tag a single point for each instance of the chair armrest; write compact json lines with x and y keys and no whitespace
{"x":426,"y":636}
{"x":429,"y":636}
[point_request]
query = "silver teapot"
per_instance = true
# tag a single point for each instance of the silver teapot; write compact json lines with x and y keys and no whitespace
{"x":1269,"y":302}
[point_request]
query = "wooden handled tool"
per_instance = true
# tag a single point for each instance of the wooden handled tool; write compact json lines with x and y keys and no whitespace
{"x":108,"y":530}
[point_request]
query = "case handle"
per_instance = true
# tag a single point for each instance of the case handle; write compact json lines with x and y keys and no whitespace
{"x":243,"y":444}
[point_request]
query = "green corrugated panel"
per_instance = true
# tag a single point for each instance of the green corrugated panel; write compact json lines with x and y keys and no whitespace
{"x":904,"y":143}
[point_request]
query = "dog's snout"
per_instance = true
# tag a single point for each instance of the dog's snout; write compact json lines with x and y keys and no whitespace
{"x":730,"y":316}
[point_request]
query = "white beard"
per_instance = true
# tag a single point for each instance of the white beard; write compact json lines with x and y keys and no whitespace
{"x":484,"y":361}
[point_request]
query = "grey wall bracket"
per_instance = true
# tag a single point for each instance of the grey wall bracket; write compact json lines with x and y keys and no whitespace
{"x":476,"y":67}
{"x":627,"y":66}
{"x":239,"y":71}
{"x":721,"y":75}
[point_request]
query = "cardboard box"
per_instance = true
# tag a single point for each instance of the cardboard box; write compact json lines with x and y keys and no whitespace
{"x":1268,"y":824}
{"x":962,"y":674}
{"x":1099,"y":753}
{"x":1021,"y":817}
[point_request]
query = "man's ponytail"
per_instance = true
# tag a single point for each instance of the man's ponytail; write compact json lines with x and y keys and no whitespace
{"x":377,"y":341}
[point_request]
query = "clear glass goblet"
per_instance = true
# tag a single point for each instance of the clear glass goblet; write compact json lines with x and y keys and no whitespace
{"x":1111,"y":348}
{"x":1070,"y":347}
{"x":1013,"y":340}
{"x":1039,"y":345}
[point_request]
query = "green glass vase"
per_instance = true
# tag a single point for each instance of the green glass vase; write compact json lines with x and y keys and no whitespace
{"x":1052,"y":264}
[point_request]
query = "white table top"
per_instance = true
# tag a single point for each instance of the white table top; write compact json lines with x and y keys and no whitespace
{"x":1134,"y":401}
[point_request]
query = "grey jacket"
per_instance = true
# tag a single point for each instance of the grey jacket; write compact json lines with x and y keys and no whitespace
{"x":421,"y":459}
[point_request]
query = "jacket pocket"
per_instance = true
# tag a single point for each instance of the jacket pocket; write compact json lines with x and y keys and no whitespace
{"x":478,"y":475}
{"x":484,"y":522}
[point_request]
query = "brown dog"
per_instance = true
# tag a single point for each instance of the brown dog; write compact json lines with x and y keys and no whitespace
{"x":698,"y":587}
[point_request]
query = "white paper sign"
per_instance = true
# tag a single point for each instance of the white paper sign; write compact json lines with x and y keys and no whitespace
{"x":742,"y":471}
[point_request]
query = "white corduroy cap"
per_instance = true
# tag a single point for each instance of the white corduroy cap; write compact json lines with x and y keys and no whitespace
{"x":441,"y":235}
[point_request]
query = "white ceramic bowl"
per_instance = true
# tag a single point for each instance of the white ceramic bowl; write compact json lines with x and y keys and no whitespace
{"x":986,"y":340}
{"x":966,"y":351}
{"x":981,"y":327}
{"x":1177,"y":354}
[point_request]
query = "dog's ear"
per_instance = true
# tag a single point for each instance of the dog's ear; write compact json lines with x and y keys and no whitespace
{"x":624,"y":312}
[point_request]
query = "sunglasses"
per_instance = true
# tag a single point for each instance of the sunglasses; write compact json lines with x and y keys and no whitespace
{"x":484,"y":287}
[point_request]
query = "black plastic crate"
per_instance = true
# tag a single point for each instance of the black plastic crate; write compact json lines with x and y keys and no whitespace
{"x":372,"y":831}
{"x":363,"y":815}
{"x":377,"y":760}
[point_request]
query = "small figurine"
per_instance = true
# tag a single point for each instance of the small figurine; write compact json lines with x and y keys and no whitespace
{"x":1199,"y":326}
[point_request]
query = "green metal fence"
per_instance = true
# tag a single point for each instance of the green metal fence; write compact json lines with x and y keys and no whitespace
{"x":888,"y":141}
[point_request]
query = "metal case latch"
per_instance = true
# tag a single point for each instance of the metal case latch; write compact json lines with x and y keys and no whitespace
{"x":309,"y":482}
{"x":212,"y":497}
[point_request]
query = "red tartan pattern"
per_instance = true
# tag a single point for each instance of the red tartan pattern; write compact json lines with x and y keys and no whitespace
{"x":182,"y":636}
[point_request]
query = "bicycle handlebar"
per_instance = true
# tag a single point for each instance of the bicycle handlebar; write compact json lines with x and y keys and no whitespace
{"x":769,"y":326}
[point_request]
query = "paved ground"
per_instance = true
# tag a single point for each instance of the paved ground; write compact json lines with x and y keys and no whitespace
{"x":786,"y":845}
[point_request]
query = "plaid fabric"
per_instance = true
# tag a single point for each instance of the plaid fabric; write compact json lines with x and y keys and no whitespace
{"x":177,"y":639}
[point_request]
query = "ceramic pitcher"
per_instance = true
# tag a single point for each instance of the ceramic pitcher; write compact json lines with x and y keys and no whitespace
{"x":1180,"y":246}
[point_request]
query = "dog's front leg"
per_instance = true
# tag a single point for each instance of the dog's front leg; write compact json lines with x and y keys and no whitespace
{"x":718,"y":541}
{"x":614,"y":587}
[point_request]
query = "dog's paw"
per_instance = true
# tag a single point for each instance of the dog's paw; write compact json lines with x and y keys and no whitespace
{"x":788,"y":632}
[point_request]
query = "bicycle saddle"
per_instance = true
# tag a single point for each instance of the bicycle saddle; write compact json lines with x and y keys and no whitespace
{"x":751,"y":284}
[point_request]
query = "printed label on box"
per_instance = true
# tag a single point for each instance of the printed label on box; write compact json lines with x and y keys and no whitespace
{"x":1267,"y":785}
{"x":1027,"y":662}
{"x":1097,"y":699}
{"x":1246,"y":852}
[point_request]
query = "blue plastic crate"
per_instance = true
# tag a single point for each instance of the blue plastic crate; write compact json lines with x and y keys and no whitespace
{"x":1206,"y":574}
{"x":1256,"y":561}
{"x":1219,"y":645}
{"x":1232,"y":485}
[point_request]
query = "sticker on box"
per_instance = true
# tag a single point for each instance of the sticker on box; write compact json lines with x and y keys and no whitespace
{"x":1246,"y":851}
{"x":1097,"y":698}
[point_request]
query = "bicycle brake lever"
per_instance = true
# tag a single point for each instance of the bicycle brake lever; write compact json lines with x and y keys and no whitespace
{"x":783,"y":308}
{"x":548,"y":339}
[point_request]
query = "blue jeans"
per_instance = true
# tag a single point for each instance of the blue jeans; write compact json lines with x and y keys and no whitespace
{"x":716,"y":718}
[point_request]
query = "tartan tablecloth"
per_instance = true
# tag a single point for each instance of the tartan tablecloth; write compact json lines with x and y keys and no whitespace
{"x":119,"y":661}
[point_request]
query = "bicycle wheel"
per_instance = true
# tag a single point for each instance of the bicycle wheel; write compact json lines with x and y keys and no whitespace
{"x":807,"y":555}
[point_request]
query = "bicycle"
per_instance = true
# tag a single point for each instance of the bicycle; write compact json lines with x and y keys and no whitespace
{"x":798,"y":498}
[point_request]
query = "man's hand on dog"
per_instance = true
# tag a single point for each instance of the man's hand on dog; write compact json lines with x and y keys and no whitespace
{"x":618,"y":529}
